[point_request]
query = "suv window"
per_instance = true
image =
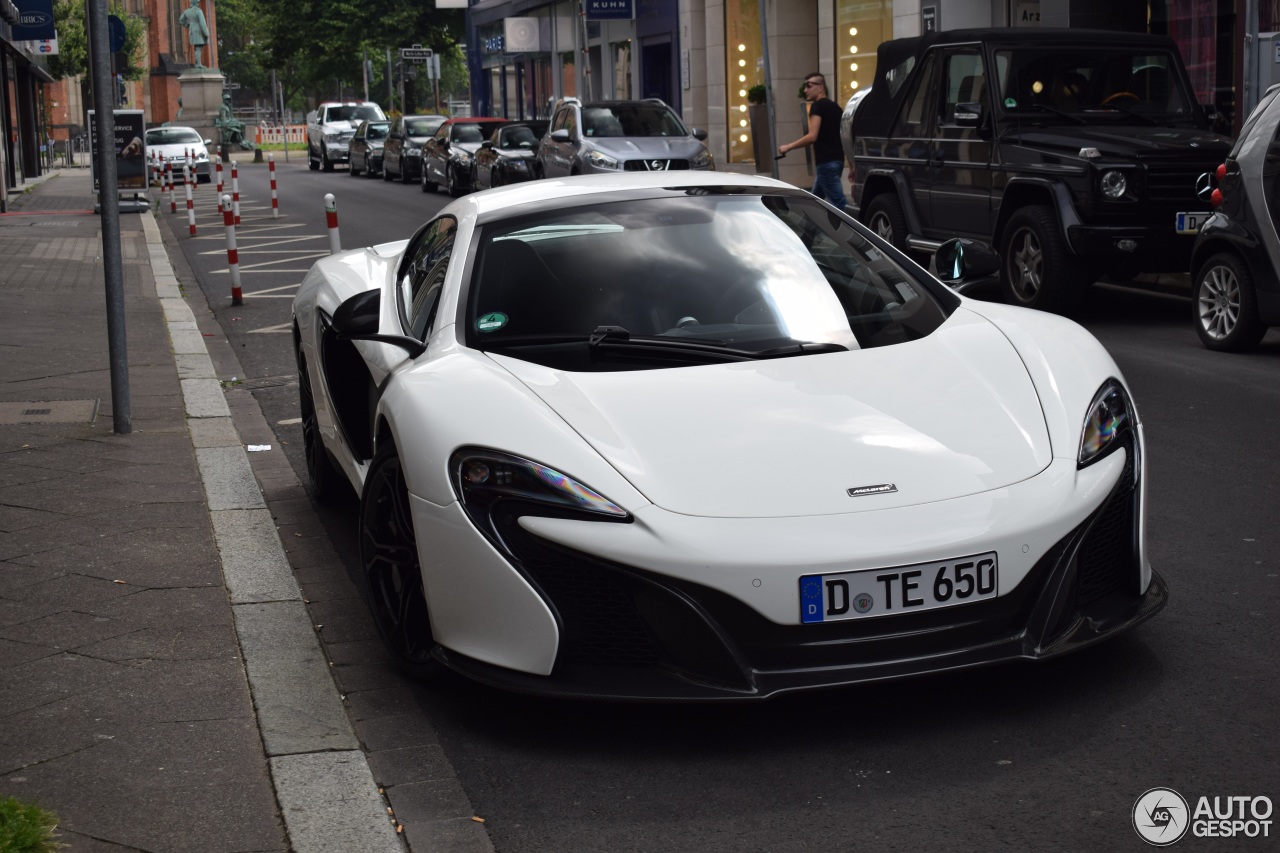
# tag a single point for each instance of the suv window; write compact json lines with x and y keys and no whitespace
{"x":354,"y":114}
{"x":1098,"y":82}
{"x":915,"y":119}
{"x":963,"y":82}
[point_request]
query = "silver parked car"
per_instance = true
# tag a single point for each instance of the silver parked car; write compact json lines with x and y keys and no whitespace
{"x":619,"y":136}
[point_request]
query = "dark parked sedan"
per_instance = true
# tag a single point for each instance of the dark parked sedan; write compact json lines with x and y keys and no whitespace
{"x":507,"y":157}
{"x":446,"y":158}
{"x":366,"y":147}
{"x":402,"y":154}
{"x":1237,"y":253}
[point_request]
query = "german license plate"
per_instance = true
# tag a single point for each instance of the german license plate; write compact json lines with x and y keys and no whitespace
{"x":1189,"y":223}
{"x":904,"y":589}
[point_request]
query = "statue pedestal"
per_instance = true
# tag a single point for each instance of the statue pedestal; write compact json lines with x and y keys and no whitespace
{"x":201,"y":97}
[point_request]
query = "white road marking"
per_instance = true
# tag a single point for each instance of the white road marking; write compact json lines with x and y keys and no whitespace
{"x":282,"y":329}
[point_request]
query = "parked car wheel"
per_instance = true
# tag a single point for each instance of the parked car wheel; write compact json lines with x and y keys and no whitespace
{"x":386,"y":173}
{"x":389,"y":555}
{"x":1038,"y":271}
{"x":451,"y":182}
{"x":427,"y":185}
{"x":1226,"y":305}
{"x":368,"y":172}
{"x":885,"y":217}
{"x":324,"y":161}
{"x":404,"y":172}
{"x":353,"y":170}
{"x":312,"y":162}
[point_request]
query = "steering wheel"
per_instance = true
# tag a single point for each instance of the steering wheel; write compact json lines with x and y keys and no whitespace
{"x":1109,"y":98}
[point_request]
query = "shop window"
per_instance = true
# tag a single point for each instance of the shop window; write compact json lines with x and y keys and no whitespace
{"x":861,"y":25}
{"x":744,"y":69}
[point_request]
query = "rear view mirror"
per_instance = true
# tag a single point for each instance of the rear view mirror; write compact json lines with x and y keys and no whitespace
{"x":698,"y":134}
{"x":560,"y":135}
{"x":357,"y":320}
{"x":968,"y":115}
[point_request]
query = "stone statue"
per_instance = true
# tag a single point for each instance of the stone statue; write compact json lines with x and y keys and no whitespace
{"x":193,"y":21}
{"x":231,"y":127}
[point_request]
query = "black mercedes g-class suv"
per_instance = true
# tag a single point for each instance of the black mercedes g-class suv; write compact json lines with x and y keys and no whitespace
{"x":1075,"y":153}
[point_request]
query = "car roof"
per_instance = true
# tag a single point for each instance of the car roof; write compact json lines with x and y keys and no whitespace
{"x":500,"y":202}
{"x":477,"y":120}
{"x":1038,"y":35}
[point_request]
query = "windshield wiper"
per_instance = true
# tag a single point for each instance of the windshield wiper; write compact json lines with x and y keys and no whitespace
{"x":620,"y":340}
{"x":1049,"y":109}
{"x":1127,"y":111}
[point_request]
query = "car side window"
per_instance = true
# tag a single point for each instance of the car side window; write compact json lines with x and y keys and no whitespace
{"x":963,"y":82}
{"x":914,"y":121}
{"x":422,"y":281}
{"x":559,"y":120}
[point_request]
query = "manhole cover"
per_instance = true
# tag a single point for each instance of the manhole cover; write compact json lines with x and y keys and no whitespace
{"x":48,"y":412}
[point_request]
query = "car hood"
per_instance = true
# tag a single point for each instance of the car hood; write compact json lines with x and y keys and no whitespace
{"x":337,"y":127}
{"x":631,"y":148}
{"x":516,"y":153}
{"x":950,"y":415}
{"x":1131,"y":141}
{"x":177,"y":150}
{"x":469,"y":147}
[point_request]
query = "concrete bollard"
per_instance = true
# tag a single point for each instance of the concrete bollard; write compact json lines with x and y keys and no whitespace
{"x":233,"y":257}
{"x":235,"y":190}
{"x":331,"y":219}
{"x":188,"y":178}
{"x":275,"y":203}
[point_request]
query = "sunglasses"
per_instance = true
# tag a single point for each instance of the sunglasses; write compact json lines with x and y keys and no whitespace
{"x":811,"y":83}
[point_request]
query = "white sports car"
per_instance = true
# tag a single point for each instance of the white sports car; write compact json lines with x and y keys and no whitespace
{"x":699,"y":436}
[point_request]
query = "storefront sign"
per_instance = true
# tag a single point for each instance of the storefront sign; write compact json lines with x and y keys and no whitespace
{"x":610,"y":10}
{"x":35,"y":20}
{"x":130,"y":147}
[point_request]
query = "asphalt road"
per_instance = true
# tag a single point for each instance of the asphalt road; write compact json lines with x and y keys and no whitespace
{"x":1013,"y":757}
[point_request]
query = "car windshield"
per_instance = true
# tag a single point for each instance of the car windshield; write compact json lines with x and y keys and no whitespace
{"x":631,"y":120}
{"x":467,"y":133}
{"x":173,"y":136}
{"x":1089,"y":83}
{"x":376,"y":131}
{"x":422,"y":126}
{"x":354,"y":114}
{"x":519,"y":137}
{"x":693,"y":278}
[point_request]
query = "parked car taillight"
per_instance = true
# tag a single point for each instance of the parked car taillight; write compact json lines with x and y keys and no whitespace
{"x":1215,"y":197}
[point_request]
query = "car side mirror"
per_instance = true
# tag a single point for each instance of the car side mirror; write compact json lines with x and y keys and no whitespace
{"x":698,"y":134}
{"x":357,"y":320}
{"x":488,"y":143}
{"x":969,"y":115}
{"x":208,"y":142}
{"x":964,"y":263}
{"x":561,"y":135}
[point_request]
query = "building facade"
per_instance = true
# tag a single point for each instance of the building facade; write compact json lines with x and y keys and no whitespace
{"x":23,"y":76}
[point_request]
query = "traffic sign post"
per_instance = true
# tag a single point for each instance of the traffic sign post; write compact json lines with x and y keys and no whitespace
{"x":417,"y":54}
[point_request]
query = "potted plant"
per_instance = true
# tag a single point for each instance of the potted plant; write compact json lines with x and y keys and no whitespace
{"x":758,"y":115}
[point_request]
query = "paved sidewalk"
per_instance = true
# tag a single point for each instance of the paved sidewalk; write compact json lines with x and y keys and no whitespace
{"x":161,"y":684}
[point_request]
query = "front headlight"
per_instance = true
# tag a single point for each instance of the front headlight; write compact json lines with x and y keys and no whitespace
{"x":489,"y":482}
{"x":1113,"y":184}
{"x":602,"y":161}
{"x":333,"y":137}
{"x":1109,"y":418}
{"x":518,"y":165}
{"x":702,"y":160}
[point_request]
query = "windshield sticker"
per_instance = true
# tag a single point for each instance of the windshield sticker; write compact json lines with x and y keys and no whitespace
{"x":1010,"y":103}
{"x":491,"y":322}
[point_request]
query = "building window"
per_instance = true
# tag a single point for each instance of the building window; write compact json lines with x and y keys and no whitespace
{"x":744,"y":68}
{"x":860,"y":27}
{"x":622,"y":70}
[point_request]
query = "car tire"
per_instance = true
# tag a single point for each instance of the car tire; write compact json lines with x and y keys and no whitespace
{"x":885,"y":217}
{"x":1037,"y":270}
{"x":427,"y":185}
{"x":495,"y":177}
{"x":451,"y":182}
{"x":352,"y":170}
{"x":389,"y":558}
{"x":312,"y":163}
{"x":323,"y":476}
{"x":538,"y":173}
{"x":368,"y":171}
{"x":324,"y":161}
{"x":1225,"y":307}
{"x":404,"y":173}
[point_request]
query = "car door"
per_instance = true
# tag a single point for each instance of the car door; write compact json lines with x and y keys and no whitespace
{"x":359,"y":148}
{"x":392,"y":148}
{"x":960,"y":171}
{"x":558,"y":154}
{"x":435,"y":154}
{"x":910,"y":141}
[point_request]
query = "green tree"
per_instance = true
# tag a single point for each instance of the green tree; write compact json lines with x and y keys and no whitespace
{"x":73,"y":42}
{"x":242,"y":57}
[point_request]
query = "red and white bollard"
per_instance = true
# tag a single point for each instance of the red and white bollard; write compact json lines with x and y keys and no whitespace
{"x":275,"y":203}
{"x":189,"y":176}
{"x":331,"y":219}
{"x":235,"y":190}
{"x":217,"y":158}
{"x":168,"y":179}
{"x":233,"y":257}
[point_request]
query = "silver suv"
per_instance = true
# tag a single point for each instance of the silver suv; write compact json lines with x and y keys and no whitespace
{"x":619,"y":136}
{"x":330,"y":128}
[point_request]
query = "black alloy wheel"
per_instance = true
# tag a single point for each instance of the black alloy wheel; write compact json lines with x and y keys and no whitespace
{"x":324,"y":160}
{"x":389,"y":555}
{"x":427,"y":185}
{"x":1226,"y":305}
{"x":1038,"y":270}
{"x":312,"y":163}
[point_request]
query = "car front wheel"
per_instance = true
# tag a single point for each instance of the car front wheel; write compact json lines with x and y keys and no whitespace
{"x":427,"y":185}
{"x":451,"y":181}
{"x":324,"y":478}
{"x":389,"y":556}
{"x":324,"y":161}
{"x":1038,"y":270}
{"x":1226,"y":305}
{"x":312,"y":163}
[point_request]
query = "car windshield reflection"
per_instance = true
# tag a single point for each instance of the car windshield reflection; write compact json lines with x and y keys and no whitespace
{"x":749,"y":273}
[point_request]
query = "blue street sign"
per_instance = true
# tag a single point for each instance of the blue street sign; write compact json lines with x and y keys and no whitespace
{"x":115,"y":33}
{"x":35,"y":20}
